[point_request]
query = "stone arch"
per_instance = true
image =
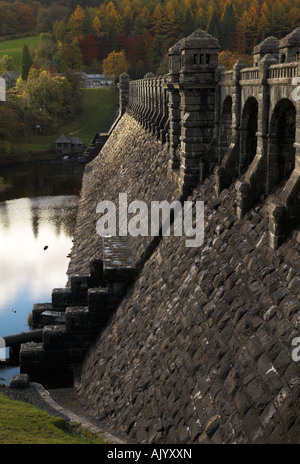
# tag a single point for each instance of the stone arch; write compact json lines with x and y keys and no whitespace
{"x":281,"y":153}
{"x":248,"y":142}
{"x":225,"y":125}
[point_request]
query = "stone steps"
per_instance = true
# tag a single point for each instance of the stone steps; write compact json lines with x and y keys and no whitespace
{"x":77,"y":314}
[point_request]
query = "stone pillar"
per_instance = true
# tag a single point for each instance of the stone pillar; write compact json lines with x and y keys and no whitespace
{"x":164,"y":122}
{"x":147,"y":99}
{"x":174,"y":104}
{"x":227,"y":172}
{"x":237,"y":101}
{"x":284,"y":213}
{"x":159,"y":107}
{"x":151,"y":87}
{"x":154,"y":108}
{"x":123,"y":91}
{"x":255,"y":181}
{"x":199,"y":60}
{"x":219,"y":71}
{"x":140,"y":99}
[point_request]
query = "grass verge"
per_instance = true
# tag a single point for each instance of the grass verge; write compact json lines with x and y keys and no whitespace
{"x":14,"y":48}
{"x":22,"y":423}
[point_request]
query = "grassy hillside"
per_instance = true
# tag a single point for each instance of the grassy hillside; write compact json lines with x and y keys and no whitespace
{"x":14,"y":48}
{"x":99,"y":106}
{"x":22,"y":423}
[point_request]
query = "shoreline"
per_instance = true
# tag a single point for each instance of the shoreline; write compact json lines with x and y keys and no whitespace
{"x":4,"y":187}
{"x":17,"y":158}
{"x":38,"y":161}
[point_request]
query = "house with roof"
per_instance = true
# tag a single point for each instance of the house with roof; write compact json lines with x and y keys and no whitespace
{"x":97,"y":80}
{"x":68,"y":145}
{"x":10,"y":78}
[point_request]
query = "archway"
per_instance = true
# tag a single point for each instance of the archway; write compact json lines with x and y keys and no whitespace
{"x":248,"y":133}
{"x":225,"y":125}
{"x":281,"y":157}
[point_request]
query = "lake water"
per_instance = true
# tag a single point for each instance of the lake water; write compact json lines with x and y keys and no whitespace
{"x":37,"y":220}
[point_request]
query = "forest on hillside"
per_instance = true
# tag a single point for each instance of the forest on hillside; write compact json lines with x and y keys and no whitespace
{"x":82,"y":33}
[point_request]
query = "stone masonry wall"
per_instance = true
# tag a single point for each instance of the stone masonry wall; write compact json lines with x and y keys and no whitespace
{"x":199,"y":351}
{"x":131,"y":162}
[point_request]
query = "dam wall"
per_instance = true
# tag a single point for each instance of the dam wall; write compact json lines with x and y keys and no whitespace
{"x":199,"y":350}
{"x":199,"y":346}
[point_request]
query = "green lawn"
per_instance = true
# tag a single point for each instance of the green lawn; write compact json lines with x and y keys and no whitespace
{"x":22,"y":423}
{"x":99,"y":106}
{"x":14,"y":48}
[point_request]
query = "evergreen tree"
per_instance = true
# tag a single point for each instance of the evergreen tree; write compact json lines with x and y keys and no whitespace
{"x":87,"y":24}
{"x":157,"y":51}
{"x":227,"y":28}
{"x":201,"y":20}
{"x":214,"y":27}
{"x":26,"y":62}
{"x":187,"y":27}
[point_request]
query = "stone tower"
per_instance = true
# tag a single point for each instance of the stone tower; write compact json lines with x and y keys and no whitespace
{"x":198,"y":61}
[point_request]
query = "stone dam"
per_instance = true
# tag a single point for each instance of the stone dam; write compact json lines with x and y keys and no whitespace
{"x":166,"y":343}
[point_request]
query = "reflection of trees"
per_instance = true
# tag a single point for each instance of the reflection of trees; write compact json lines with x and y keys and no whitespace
{"x":61,"y":219}
{"x":39,"y":180}
{"x":4,"y":216}
{"x":35,"y":221}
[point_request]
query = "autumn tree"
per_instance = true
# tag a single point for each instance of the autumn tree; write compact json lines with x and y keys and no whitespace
{"x":250,"y":20}
{"x":170,"y":27}
{"x":71,"y":55}
{"x":105,"y":46}
{"x":115,"y":64}
{"x":59,"y":30}
{"x":239,"y":41}
{"x":46,"y":98}
{"x":127,"y":19}
{"x":158,"y":21}
{"x":111,"y":21}
{"x":142,"y":21}
{"x":228,"y":59}
{"x":45,"y":53}
{"x":124,"y":24}
{"x":6,"y":63}
{"x":26,"y":18}
{"x":89,"y":48}
{"x":96,"y":26}
{"x":10,"y":124}
{"x":43,"y":21}
{"x":76,"y":23}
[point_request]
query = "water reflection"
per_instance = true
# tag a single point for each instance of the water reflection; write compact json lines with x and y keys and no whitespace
{"x":35,"y":240}
{"x":45,"y":179}
{"x":26,"y":227}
